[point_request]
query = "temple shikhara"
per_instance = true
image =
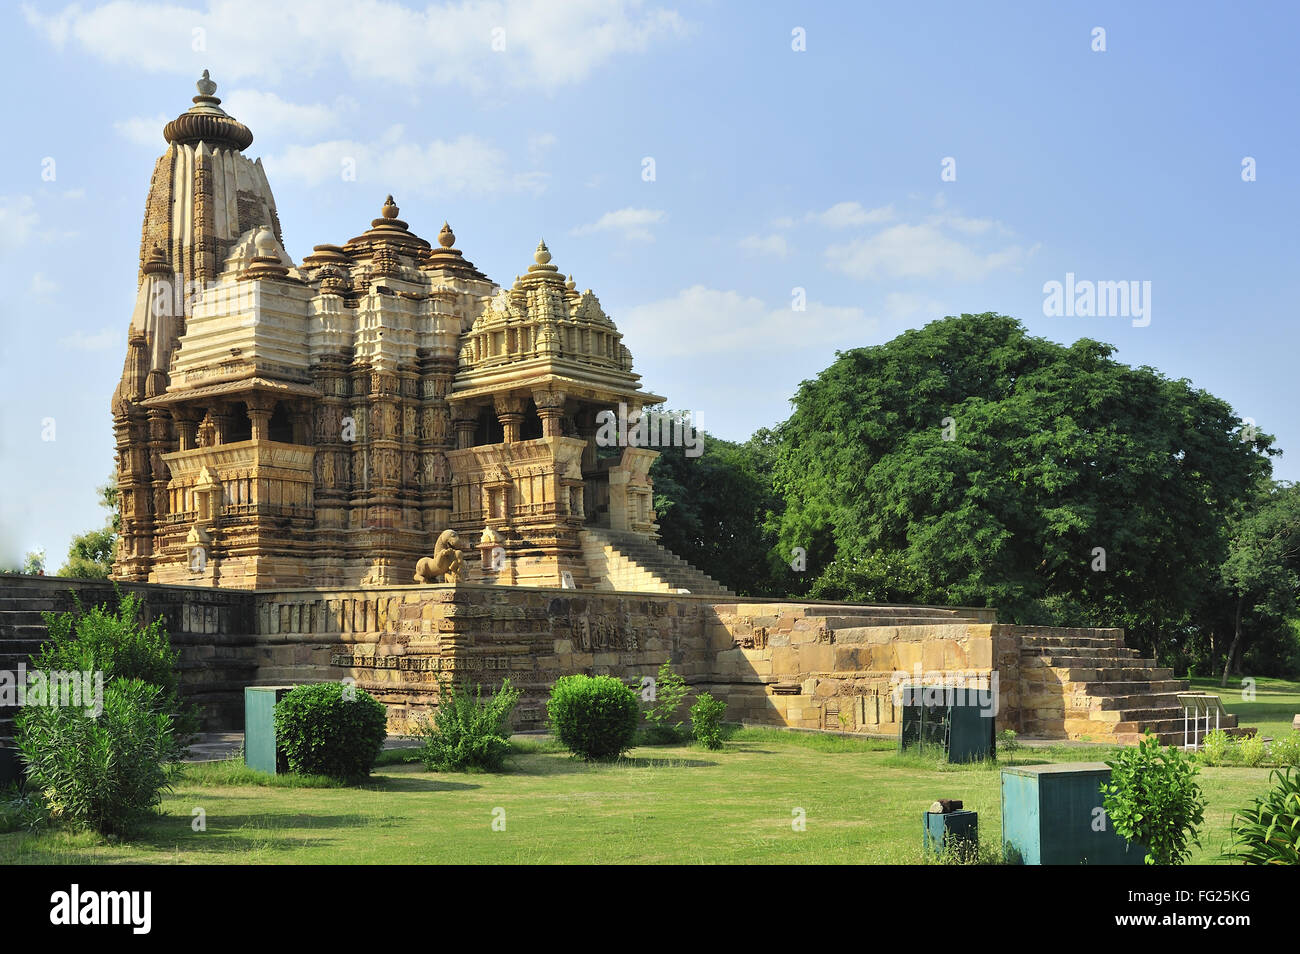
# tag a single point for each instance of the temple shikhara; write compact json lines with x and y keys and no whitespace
{"x":327,"y":422}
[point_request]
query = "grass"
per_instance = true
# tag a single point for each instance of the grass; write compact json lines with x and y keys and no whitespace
{"x":1276,"y":702}
{"x":666,"y":804}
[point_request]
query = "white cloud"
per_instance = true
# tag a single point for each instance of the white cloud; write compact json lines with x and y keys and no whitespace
{"x":144,"y":130}
{"x":466,"y":164}
{"x":18,"y":218}
{"x":633,"y":224}
{"x":264,"y":112}
{"x":699,"y":321}
{"x":42,"y":287}
{"x":545,"y":45}
{"x":917,"y":251}
{"x":848,"y":214}
{"x":774,"y":246}
{"x":107,"y":339}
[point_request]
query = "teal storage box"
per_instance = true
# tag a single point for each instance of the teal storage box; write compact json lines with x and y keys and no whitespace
{"x":961,"y":827}
{"x":260,"y":749}
{"x":952,"y":719}
{"x":1052,"y":815}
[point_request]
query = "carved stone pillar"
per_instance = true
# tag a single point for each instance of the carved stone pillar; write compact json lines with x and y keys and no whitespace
{"x":510,"y":412}
{"x":259,"y":416}
{"x":187,"y":427}
{"x":550,"y":407}
{"x":465,"y":423}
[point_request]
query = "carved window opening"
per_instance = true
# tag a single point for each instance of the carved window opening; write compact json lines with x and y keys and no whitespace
{"x":489,"y":430}
{"x":280,"y":427}
{"x":531,"y":428}
{"x":239,"y":426}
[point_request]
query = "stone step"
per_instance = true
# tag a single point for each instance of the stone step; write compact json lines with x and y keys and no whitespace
{"x":1044,"y":642}
{"x":1120,"y":687}
{"x":1093,"y":661}
{"x":1134,"y":700}
{"x":1083,"y":652}
{"x":1109,"y":674}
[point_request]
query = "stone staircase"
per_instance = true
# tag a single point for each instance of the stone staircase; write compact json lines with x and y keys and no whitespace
{"x":618,"y":560}
{"x":22,"y":630}
{"x":1087,"y":684}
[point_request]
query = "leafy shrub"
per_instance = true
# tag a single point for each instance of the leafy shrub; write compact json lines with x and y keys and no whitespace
{"x":1252,"y":750}
{"x":670,"y":691}
{"x":113,"y":642}
{"x":107,"y":772}
{"x":706,"y":720}
{"x":594,"y":716}
{"x":1007,"y":743}
{"x":1153,"y":800}
{"x":467,"y":731}
{"x":1218,"y":748}
{"x":21,"y":809}
{"x":1285,"y":750}
{"x":331,"y":729}
{"x":1268,"y":832}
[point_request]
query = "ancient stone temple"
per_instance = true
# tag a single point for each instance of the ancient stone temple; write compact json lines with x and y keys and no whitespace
{"x":322,"y":423}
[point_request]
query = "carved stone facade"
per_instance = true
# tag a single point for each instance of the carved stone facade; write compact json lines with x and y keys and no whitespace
{"x":321,"y":423}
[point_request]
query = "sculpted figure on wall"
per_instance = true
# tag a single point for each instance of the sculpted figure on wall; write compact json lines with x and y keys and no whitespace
{"x":445,"y":562}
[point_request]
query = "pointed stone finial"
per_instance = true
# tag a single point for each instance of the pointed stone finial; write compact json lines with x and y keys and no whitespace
{"x":543,"y":255}
{"x":571,"y":285}
{"x":446,"y":237}
{"x":390,"y":209}
{"x":205,"y":85}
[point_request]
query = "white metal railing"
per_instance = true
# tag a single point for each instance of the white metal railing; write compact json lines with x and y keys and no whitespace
{"x":1195,"y":705}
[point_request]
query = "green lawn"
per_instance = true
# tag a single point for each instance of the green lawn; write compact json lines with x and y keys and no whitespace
{"x":1276,"y":703}
{"x":675,"y":804}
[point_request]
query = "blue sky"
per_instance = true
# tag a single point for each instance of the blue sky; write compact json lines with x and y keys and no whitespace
{"x":774,"y":169}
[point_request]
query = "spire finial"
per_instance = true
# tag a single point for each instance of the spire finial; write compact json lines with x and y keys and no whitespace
{"x":446,"y":237}
{"x":543,"y":255}
{"x":205,"y":85}
{"x":390,"y":209}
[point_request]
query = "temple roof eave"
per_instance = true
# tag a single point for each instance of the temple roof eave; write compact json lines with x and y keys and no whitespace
{"x":181,"y":394}
{"x":581,"y":388}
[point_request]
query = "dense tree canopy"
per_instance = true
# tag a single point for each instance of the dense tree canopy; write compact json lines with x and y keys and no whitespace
{"x":969,"y":463}
{"x":711,"y":510}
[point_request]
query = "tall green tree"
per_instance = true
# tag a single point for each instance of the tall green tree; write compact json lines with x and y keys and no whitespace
{"x":1262,"y":571}
{"x":90,"y":557}
{"x":996,"y":468}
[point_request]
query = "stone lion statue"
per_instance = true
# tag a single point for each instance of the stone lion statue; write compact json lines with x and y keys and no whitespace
{"x":445,"y":562}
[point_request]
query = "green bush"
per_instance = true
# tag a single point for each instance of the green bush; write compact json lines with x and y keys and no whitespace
{"x":331,"y":729}
{"x":1153,"y":800}
{"x":467,"y":731}
{"x":594,"y":716}
{"x":1218,"y":748}
{"x":1268,"y":832}
{"x":1008,"y":744}
{"x":1252,"y":750}
{"x":1285,"y":750}
{"x":115,"y":643}
{"x":670,"y":691}
{"x":107,"y":772}
{"x":706,"y":720}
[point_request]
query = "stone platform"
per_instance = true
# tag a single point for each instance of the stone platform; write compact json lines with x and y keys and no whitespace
{"x":824,"y":666}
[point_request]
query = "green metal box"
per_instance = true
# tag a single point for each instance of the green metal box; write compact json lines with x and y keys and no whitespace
{"x":953,"y":720}
{"x":1052,"y":815}
{"x":260,"y":749}
{"x":949,"y":828}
